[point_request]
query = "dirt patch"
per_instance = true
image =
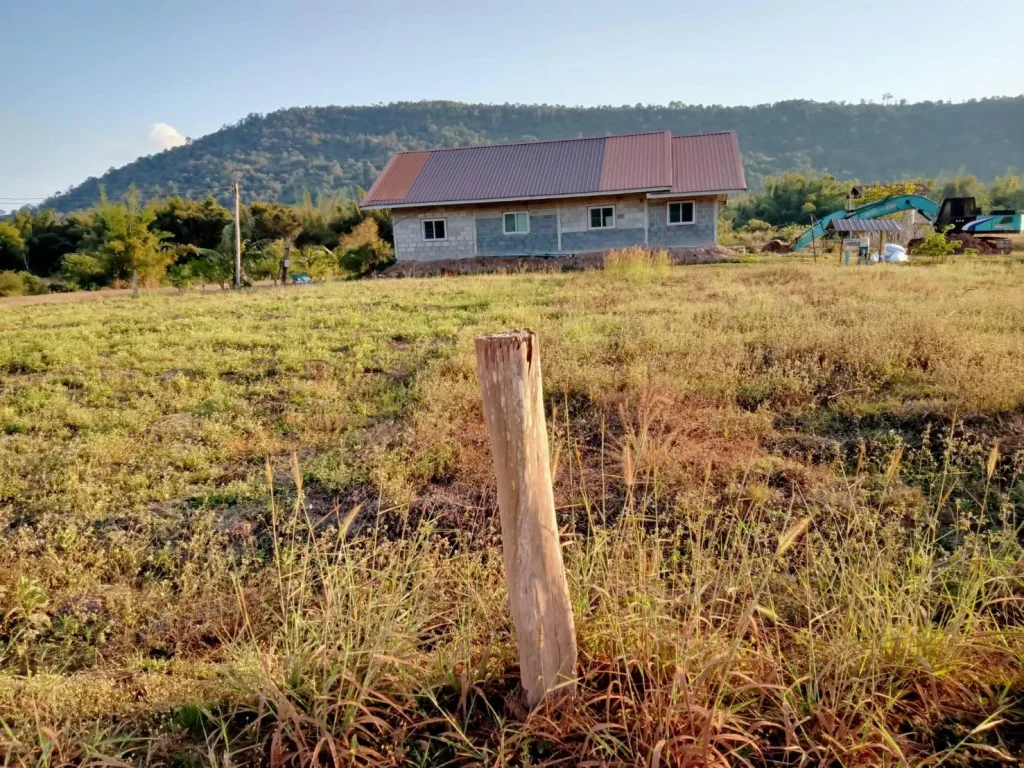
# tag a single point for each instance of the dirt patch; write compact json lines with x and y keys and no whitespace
{"x":480,"y":265}
{"x":966,"y":240}
{"x":776,"y":246}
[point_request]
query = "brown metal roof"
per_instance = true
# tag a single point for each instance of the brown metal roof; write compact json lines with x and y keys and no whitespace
{"x":398,"y":176}
{"x":562,"y":168}
{"x":639,"y":161}
{"x":707,"y":162}
{"x":865,"y":225}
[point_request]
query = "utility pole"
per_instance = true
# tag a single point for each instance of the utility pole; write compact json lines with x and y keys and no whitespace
{"x":238,"y":240}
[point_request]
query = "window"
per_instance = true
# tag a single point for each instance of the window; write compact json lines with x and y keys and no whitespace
{"x":435,"y":229}
{"x":517,"y":223}
{"x":680,"y":213}
{"x":602,"y":217}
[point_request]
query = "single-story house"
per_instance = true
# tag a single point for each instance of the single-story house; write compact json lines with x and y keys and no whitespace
{"x":555,"y":198}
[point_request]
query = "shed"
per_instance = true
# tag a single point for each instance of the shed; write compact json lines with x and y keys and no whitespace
{"x":865,"y":225}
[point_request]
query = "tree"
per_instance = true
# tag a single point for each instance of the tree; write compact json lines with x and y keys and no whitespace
{"x":49,"y":237}
{"x":1007,"y":193}
{"x":272,"y":221}
{"x":12,"y":248}
{"x":967,"y":186}
{"x":192,"y":222}
{"x":793,"y":198}
{"x":327,"y":219}
{"x":869,"y":193}
{"x":123,"y":242}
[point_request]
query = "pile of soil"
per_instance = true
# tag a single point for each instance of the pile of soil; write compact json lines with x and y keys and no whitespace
{"x":968,"y":241}
{"x":481,"y":265}
{"x":777,"y":246}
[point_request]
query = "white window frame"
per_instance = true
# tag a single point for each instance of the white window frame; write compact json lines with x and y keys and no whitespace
{"x":517,"y":232}
{"x":590,"y":219}
{"x":668,"y":217}
{"x":423,"y":229}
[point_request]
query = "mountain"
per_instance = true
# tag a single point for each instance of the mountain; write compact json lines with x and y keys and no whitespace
{"x":276,"y":156}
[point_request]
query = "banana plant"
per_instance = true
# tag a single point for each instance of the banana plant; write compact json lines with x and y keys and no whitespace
{"x":259,"y":259}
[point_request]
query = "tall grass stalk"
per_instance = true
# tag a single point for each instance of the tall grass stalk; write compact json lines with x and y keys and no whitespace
{"x":637,"y":264}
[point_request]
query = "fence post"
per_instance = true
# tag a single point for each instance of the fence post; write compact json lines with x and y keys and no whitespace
{"x":508,"y":367}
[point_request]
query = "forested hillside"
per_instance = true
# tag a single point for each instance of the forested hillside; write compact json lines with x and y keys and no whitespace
{"x":331,"y":148}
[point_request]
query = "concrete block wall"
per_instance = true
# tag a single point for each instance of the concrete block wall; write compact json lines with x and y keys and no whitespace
{"x":479,"y":230}
{"x":702,"y":232}
{"x":541,"y":240}
{"x":409,"y":242}
{"x":577,"y":236}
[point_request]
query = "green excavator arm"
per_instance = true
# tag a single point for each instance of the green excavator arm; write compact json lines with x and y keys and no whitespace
{"x":928,"y":208}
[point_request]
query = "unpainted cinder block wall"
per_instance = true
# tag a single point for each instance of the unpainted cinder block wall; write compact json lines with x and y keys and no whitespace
{"x":479,"y":230}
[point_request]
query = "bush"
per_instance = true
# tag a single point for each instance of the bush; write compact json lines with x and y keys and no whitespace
{"x":34,"y":286}
{"x":637,"y":263}
{"x":83,"y":270}
{"x":363,"y":250}
{"x":938,"y":245}
{"x":180,"y":276}
{"x":21,"y":284}
{"x":11,"y":284}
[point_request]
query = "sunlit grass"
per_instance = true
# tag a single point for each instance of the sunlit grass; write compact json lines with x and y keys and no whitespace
{"x":241,"y":523}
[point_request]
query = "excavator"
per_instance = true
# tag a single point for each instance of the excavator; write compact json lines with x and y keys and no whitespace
{"x":962,"y":213}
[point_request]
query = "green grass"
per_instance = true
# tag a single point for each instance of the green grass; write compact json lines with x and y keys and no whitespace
{"x":242,"y":525}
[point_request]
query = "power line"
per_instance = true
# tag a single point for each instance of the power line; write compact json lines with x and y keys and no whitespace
{"x":29,"y":199}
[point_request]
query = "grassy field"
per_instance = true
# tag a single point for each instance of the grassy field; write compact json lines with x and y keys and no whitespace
{"x":260,"y":528}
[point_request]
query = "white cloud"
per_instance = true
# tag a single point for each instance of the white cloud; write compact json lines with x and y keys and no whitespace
{"x":163,"y":136}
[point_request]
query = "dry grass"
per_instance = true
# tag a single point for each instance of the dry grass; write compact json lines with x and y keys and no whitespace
{"x":259,"y":528}
{"x":637,"y":263}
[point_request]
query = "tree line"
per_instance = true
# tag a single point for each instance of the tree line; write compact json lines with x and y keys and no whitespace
{"x":184,"y":242}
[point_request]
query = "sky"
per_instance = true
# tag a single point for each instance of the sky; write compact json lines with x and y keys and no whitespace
{"x":93,"y":84}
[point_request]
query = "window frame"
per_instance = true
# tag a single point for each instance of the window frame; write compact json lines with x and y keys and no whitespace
{"x":668,"y":213}
{"x":516,"y":214}
{"x":435,"y":239}
{"x":590,"y":217}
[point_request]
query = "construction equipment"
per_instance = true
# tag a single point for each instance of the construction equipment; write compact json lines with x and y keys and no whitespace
{"x":962,"y":213}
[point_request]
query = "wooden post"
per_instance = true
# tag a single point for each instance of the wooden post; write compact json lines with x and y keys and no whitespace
{"x":238,"y":239}
{"x":508,"y":367}
{"x":814,"y":242}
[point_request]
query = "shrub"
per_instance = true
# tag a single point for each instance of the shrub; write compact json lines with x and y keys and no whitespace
{"x":11,"y":284}
{"x":21,"y":284}
{"x":363,"y":250}
{"x":637,"y":263}
{"x":938,"y":245}
{"x":83,"y":270}
{"x":180,"y":276}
